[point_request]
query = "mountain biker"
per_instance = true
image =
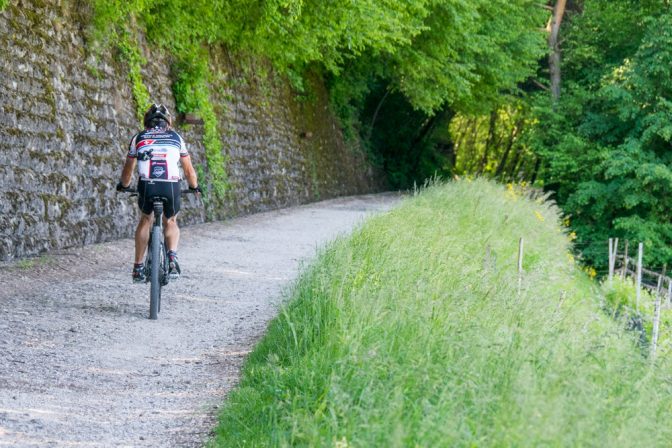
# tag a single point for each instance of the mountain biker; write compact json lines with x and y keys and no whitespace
{"x":156,"y":150}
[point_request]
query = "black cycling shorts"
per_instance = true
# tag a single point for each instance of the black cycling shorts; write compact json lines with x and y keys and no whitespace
{"x":169,"y":190}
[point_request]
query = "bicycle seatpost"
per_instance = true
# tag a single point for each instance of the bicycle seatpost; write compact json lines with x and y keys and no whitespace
{"x":158,"y":211}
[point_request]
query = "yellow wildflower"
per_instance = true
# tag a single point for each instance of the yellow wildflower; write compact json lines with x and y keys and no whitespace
{"x":539,"y":216}
{"x":592,"y":273}
{"x":511,"y":192}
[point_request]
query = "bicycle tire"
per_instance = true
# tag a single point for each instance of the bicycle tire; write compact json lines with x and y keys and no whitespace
{"x":155,"y":280}
{"x":163,"y":278}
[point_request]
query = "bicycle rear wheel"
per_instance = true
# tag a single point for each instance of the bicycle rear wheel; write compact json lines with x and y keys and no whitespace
{"x":155,"y":275}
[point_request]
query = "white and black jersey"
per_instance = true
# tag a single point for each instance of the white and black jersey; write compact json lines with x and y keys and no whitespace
{"x":158,"y":152}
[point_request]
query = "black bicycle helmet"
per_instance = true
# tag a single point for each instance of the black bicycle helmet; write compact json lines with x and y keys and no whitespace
{"x":157,"y":115}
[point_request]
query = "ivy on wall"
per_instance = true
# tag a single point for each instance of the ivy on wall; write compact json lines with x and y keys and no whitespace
{"x":130,"y":52}
{"x":192,"y":94}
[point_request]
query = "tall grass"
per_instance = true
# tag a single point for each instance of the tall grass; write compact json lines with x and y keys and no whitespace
{"x":405,"y":335}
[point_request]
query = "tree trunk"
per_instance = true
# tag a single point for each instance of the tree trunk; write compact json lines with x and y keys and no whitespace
{"x":462,"y":131}
{"x":535,"y":171}
{"x":425,"y":131}
{"x":514,"y":164}
{"x":471,"y":147}
{"x":375,"y":114}
{"x":489,"y":142}
{"x":507,"y":151}
{"x":554,"y":45}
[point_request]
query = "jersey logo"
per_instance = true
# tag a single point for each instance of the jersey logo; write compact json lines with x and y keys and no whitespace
{"x":158,"y":170}
{"x":142,"y":143}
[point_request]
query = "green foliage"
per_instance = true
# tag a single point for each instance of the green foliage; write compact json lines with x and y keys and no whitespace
{"x":110,"y":25}
{"x":408,"y":144}
{"x":130,"y":53}
{"x":606,"y":143}
{"x":465,"y":57}
{"x":192,"y":95}
{"x":492,"y":145}
{"x":620,"y":301}
{"x":470,"y":52}
{"x":441,"y":56}
{"x":212,"y":141}
{"x":406,"y":334}
{"x":3,"y":4}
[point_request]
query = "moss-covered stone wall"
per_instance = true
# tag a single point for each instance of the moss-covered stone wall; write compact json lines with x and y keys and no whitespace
{"x":66,"y":118}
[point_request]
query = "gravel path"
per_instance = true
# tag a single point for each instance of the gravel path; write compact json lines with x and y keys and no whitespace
{"x":80,"y":363}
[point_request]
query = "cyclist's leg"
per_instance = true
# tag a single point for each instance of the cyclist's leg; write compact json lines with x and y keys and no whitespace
{"x":171,"y":230}
{"x":142,"y":237}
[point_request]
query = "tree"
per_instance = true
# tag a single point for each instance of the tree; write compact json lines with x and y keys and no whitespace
{"x":554,"y":46}
{"x":606,"y":143}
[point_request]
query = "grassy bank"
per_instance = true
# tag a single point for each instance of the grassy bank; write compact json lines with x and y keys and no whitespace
{"x":405,"y":334}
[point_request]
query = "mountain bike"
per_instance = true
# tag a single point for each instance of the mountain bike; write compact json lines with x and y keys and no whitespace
{"x":156,"y":260}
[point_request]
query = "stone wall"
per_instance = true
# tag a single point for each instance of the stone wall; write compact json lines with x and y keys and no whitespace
{"x":66,"y":119}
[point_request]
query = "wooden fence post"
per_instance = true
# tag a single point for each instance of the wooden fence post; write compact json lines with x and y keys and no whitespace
{"x":640,"y":254}
{"x":624,"y":271}
{"x":520,"y":264}
{"x":656,"y":315}
{"x":613,"y":253}
{"x":613,"y":269}
{"x":611,"y":259}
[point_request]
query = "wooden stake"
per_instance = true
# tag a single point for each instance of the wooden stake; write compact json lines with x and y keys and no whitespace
{"x":520,"y":264}
{"x":640,"y":254}
{"x":656,"y":315}
{"x":611,"y":259}
{"x":625,"y":261}
{"x":614,"y":257}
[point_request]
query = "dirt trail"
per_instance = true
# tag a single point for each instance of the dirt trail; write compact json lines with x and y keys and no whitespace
{"x":80,"y":363}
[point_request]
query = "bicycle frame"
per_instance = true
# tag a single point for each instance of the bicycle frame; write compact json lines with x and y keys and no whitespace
{"x":157,"y":260}
{"x":156,"y":273}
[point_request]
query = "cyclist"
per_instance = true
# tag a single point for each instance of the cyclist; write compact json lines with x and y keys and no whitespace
{"x":156,"y":150}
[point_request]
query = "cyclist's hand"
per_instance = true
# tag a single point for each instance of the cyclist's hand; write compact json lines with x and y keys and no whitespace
{"x":120,"y":187}
{"x":196,"y":190}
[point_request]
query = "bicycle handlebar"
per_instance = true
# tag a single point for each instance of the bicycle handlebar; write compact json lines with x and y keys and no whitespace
{"x":134,"y":191}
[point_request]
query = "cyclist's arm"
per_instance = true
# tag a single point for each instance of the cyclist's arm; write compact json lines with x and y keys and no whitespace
{"x":127,"y":171}
{"x":189,"y":171}
{"x":129,"y":165}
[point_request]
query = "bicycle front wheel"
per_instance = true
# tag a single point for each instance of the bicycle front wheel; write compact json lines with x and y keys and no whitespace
{"x":155,"y":275}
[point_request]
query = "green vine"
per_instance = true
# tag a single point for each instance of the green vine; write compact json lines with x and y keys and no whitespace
{"x":130,"y":52}
{"x":218,"y":179}
{"x":193,"y":95}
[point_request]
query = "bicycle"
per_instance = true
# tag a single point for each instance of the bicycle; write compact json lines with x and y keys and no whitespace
{"x":156,"y":274}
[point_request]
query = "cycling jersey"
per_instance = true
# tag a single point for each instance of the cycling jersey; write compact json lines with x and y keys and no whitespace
{"x":158,"y":151}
